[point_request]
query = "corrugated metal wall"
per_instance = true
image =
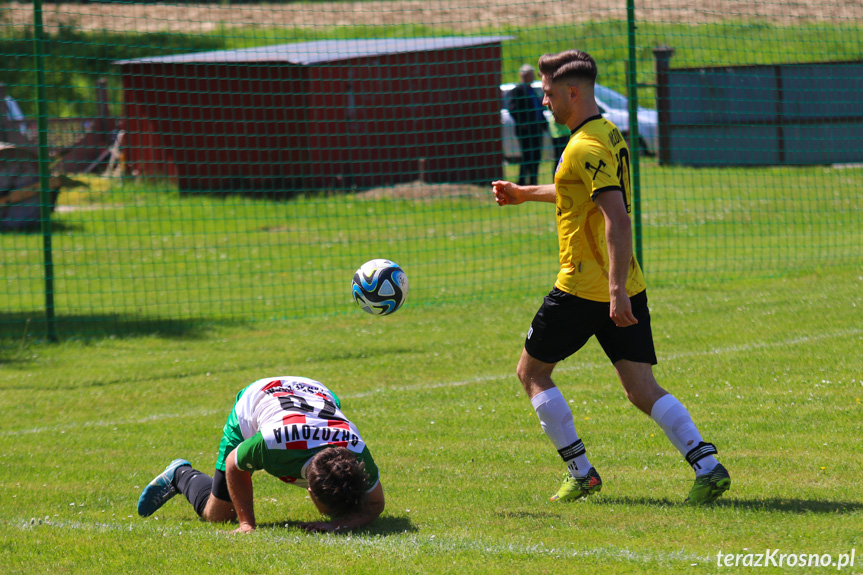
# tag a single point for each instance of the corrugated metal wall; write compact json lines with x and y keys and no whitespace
{"x":792,"y":114}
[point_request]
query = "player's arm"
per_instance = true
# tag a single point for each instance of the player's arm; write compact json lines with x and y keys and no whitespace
{"x":372,"y":508}
{"x":242,"y":496}
{"x":507,"y":193}
{"x":618,"y":238}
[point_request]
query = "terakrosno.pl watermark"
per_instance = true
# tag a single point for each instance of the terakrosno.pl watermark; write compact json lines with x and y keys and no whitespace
{"x":776,"y":558}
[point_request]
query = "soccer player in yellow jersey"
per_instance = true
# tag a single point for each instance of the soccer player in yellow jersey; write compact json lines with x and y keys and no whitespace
{"x":600,"y":290}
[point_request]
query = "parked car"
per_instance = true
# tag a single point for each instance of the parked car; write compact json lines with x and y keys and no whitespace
{"x":612,"y":105}
{"x":616,"y":103}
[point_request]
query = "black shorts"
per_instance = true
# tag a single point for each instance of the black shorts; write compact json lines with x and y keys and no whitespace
{"x":565,"y":322}
{"x":220,"y":486}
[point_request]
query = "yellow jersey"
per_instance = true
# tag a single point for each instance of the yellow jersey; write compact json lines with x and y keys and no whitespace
{"x":596,"y":160}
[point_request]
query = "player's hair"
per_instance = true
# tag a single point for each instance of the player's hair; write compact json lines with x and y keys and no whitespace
{"x":568,"y":65}
{"x":338,"y":480}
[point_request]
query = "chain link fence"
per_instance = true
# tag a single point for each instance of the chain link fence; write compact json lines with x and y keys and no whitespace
{"x":167,"y":164}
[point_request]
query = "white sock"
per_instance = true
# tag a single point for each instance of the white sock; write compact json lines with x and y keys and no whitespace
{"x":555,"y":417}
{"x":675,"y":421}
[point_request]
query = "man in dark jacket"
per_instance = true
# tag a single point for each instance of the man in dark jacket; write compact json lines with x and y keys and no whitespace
{"x":530,"y":124}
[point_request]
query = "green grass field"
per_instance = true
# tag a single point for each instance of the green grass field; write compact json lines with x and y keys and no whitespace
{"x":167,"y":304}
{"x":770,"y":370}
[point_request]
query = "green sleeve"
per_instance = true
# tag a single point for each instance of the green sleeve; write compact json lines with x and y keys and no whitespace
{"x":250,"y":453}
{"x":371,"y":468}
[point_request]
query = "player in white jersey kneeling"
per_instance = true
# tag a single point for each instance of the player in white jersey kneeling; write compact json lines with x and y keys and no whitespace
{"x":294,"y":429}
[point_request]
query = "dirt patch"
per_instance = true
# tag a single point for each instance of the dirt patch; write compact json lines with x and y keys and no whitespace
{"x":422,"y":191}
{"x":462,"y":16}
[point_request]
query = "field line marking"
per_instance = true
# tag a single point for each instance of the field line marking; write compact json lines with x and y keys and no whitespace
{"x":447,"y":384}
{"x":87,"y":424}
{"x":594,"y":365}
{"x":442,"y":544}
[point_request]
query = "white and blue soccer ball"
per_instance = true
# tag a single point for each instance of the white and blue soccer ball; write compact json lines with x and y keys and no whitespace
{"x":380,"y":287}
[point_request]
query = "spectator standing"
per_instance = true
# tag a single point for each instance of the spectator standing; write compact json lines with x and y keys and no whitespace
{"x":530,"y":124}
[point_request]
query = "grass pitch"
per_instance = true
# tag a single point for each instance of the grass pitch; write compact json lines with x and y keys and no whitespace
{"x":769,"y":369}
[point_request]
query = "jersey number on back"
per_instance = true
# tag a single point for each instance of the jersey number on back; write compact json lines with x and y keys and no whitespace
{"x":299,"y":403}
{"x":623,"y":174}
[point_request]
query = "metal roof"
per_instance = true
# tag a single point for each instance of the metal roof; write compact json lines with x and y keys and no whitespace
{"x":322,"y":51}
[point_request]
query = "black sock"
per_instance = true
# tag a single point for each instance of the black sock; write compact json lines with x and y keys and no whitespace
{"x":196,"y":486}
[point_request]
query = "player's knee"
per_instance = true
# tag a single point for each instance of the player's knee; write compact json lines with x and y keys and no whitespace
{"x":533,"y":380}
{"x":644,"y":397}
{"x":522,"y":370}
{"x":218,"y":511}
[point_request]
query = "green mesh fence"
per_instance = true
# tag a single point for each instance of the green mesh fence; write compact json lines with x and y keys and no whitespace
{"x":166,"y":164}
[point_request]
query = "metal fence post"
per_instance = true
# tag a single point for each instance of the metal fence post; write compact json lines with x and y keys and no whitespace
{"x":634,"y":139}
{"x":662,"y":56}
{"x":44,"y":171}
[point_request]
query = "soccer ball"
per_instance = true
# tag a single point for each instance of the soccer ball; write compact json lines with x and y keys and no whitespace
{"x":380,"y":287}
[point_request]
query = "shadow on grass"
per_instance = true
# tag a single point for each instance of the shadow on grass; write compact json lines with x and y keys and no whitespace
{"x":782,"y":505}
{"x":19,"y":329}
{"x":792,"y":505}
{"x":380,"y":526}
{"x":363,"y":353}
{"x":56,"y":228}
